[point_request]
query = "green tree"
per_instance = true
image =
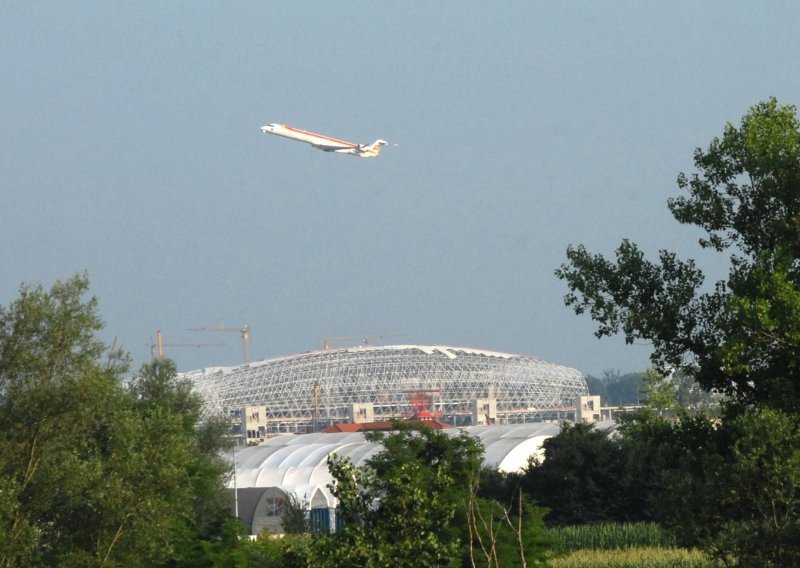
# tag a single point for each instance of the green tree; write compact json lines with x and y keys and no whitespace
{"x":415,"y":503}
{"x":660,"y":393}
{"x":94,"y":474}
{"x":762,"y":493}
{"x":171,"y":463}
{"x":741,"y":338}
{"x":674,"y":472}
{"x":51,"y":385}
{"x":497,"y":485}
{"x":579,"y":480}
{"x":294,"y":518}
{"x":507,"y":535}
{"x":651,"y":469}
{"x":692,"y":397}
{"x":732,"y":487}
{"x":726,"y":483}
{"x":400,"y":509}
{"x":231,"y":547}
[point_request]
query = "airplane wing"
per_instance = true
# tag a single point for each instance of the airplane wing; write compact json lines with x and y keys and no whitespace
{"x":330,"y":148}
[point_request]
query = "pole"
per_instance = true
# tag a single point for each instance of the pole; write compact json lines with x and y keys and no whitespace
{"x":245,"y":344}
{"x":316,"y":403}
{"x":235,"y":486}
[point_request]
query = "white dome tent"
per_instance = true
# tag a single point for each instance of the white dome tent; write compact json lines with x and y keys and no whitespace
{"x":297,"y":465}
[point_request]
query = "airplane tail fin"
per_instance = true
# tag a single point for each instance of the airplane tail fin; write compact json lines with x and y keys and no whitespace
{"x":373,"y":150}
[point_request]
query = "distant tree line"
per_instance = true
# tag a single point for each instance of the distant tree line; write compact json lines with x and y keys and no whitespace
{"x":617,"y":389}
{"x":678,"y":390}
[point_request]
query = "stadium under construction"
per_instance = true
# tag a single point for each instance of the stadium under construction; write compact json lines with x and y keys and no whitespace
{"x":309,"y":391}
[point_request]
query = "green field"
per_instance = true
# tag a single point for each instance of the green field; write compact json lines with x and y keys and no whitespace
{"x":636,"y":558}
{"x":610,"y":545}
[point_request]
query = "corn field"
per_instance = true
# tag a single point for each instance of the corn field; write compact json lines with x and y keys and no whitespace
{"x":610,"y":536}
{"x":624,"y":545}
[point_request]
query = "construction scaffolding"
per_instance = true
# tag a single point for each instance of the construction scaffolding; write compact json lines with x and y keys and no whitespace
{"x":325,"y":384}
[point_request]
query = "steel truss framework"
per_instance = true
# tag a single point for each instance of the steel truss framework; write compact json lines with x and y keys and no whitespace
{"x":527,"y":389}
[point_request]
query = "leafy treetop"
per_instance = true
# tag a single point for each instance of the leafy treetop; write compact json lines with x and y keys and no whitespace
{"x":743,"y":337}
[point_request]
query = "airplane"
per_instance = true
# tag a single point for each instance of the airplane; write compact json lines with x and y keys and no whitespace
{"x":326,"y":143}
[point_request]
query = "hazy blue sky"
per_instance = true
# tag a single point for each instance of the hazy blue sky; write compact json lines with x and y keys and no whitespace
{"x":131,"y":149}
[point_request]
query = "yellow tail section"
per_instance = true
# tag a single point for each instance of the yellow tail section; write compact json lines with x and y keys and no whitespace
{"x":373,"y":150}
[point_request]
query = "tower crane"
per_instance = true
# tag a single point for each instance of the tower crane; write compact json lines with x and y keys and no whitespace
{"x":157,"y":347}
{"x":244,"y":331}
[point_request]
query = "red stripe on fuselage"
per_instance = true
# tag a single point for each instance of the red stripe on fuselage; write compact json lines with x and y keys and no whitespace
{"x":350,"y":144}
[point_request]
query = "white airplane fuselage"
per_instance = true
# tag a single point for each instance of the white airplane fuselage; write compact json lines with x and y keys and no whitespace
{"x":325,"y":143}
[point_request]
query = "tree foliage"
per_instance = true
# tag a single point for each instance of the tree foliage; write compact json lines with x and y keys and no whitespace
{"x":507,"y":534}
{"x":731,"y":487}
{"x":579,"y":480}
{"x":660,"y":393}
{"x":415,"y":504}
{"x":94,"y":474}
{"x":294,"y":519}
{"x":729,"y":484}
{"x":400,"y":508}
{"x":740,"y":338}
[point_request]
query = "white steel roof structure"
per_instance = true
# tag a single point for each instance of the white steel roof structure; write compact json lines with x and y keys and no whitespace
{"x":526,"y":389}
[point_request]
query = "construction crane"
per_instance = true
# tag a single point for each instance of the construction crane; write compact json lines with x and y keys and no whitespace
{"x":159,"y":345}
{"x":114,"y":354}
{"x":244,"y":331}
{"x":363,"y":339}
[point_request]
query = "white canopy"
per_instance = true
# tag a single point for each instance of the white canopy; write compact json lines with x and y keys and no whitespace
{"x":298,"y":463}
